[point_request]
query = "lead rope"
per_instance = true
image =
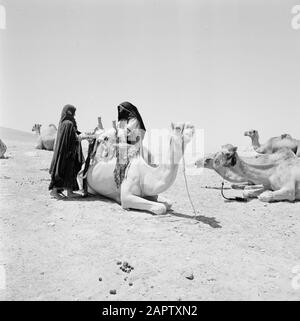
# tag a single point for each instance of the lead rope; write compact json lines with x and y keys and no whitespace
{"x":185,"y":181}
{"x":237,"y":199}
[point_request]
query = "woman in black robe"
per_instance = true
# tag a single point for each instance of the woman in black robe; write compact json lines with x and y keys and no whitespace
{"x":68,"y":157}
{"x":130,"y":119}
{"x":131,"y":124}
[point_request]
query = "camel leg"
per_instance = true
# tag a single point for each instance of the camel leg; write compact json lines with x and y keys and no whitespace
{"x":253,"y":193}
{"x":284,"y":194}
{"x":135,"y":202}
{"x":251,"y":187}
{"x":239,"y":185}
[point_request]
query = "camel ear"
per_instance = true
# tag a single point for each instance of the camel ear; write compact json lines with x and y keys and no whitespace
{"x":172,"y":126}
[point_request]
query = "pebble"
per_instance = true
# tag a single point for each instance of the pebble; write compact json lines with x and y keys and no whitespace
{"x":113,"y":292}
{"x":189,"y":276}
{"x":100,"y":279}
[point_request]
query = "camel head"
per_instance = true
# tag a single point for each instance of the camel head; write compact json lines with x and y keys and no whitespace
{"x":286,"y":136}
{"x":251,"y":133}
{"x":182,"y":133}
{"x":206,"y":162}
{"x":37,"y":128}
{"x":227,"y":157}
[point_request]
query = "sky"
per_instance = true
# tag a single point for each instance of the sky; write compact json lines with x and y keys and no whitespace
{"x":226,"y":66}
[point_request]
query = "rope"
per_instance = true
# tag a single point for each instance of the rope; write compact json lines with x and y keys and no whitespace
{"x":186,"y":183}
{"x":237,"y":199}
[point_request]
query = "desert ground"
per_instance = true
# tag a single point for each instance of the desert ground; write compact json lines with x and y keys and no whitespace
{"x":70,"y":250}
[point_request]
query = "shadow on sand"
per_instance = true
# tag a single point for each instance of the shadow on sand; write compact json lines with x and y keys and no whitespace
{"x":89,"y":198}
{"x":211,"y":221}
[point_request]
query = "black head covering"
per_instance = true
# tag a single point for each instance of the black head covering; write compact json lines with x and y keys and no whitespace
{"x":127,"y":111}
{"x":68,"y":114}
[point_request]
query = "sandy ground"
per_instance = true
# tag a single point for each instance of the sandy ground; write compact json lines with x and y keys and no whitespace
{"x":58,"y":250}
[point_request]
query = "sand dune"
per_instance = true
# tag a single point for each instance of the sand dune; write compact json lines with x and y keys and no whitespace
{"x":55,"y":250}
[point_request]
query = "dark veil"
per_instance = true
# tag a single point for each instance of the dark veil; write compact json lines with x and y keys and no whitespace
{"x":68,"y":113}
{"x":127,"y":111}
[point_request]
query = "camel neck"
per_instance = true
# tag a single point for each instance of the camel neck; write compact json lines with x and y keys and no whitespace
{"x":167,"y":171}
{"x":255,"y":141}
{"x":257,"y":173}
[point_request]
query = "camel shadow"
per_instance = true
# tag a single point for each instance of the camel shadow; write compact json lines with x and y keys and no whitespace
{"x":211,"y":221}
{"x":89,"y":198}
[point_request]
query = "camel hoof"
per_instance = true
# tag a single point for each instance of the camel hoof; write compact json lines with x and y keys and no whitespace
{"x":159,"y":209}
{"x":266,"y":196}
{"x":168,"y":204}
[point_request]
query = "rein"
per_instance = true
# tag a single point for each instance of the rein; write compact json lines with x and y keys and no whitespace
{"x":185,"y":178}
{"x":237,"y":199}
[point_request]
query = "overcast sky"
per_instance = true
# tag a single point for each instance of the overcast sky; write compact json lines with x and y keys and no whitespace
{"x":226,"y":66}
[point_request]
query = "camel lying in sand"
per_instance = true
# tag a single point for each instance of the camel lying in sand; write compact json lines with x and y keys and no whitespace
{"x":231,"y":174}
{"x":46,"y":138}
{"x":274,"y":143}
{"x":142,"y":183}
{"x":211,"y":162}
{"x":3,"y":149}
{"x":280,"y":178}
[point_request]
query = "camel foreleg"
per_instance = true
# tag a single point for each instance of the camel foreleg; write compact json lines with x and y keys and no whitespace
{"x":160,"y":199}
{"x":129,"y":201}
{"x":253,"y":192}
{"x":284,"y":194}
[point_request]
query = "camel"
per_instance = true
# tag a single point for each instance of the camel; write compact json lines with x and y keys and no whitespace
{"x":3,"y":149}
{"x":274,"y":143}
{"x":213,"y":161}
{"x":142,"y":183}
{"x":46,"y":138}
{"x":280,"y":178}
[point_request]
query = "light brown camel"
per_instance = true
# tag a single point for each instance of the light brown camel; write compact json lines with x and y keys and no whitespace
{"x":280,"y":178}
{"x":142,"y":183}
{"x":231,"y":174}
{"x":274,"y":143}
{"x":211,"y":162}
{"x":46,"y":137}
{"x":3,"y":149}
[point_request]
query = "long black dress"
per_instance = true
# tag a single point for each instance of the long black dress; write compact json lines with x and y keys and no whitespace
{"x":68,"y":157}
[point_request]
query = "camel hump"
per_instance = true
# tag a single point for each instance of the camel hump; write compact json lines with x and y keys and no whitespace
{"x":52,"y":126}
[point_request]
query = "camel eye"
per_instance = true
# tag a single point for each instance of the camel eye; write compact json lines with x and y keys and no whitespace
{"x":105,"y":138}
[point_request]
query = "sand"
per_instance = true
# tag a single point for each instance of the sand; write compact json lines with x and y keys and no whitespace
{"x":70,"y":250}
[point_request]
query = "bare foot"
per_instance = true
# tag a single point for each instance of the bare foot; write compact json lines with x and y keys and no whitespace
{"x":72,"y":195}
{"x":56,"y":195}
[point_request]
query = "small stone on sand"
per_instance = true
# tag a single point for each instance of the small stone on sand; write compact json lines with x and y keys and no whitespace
{"x":189,"y":276}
